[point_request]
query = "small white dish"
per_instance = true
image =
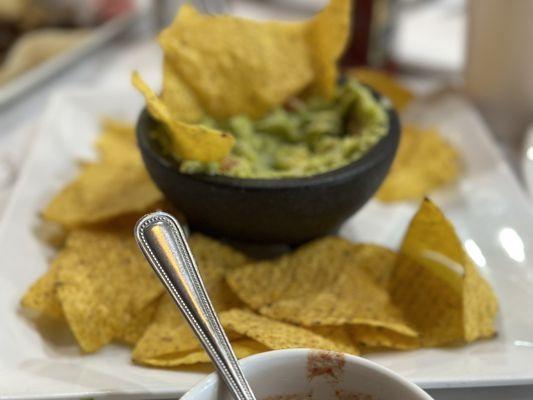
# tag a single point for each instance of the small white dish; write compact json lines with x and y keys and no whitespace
{"x":299,"y":374}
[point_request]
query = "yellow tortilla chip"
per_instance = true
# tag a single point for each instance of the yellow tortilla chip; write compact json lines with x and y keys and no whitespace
{"x":399,"y":95}
{"x":235,"y":65}
{"x":327,"y":35}
{"x":480,"y":304}
{"x":104,"y":285}
{"x":100,"y":192}
{"x":224,"y":66}
{"x":117,"y":143}
{"x":424,"y":162}
{"x":178,"y":97}
{"x":340,"y":335}
{"x":215,"y":259}
{"x":435,"y":283}
{"x":136,"y":327}
{"x":377,"y":338}
{"x":168,"y":339}
{"x":278,"y":335}
{"x":241,"y":347}
{"x":321,"y":283}
{"x":376,"y":261}
{"x":169,"y":335}
{"x":116,"y":184}
{"x":189,"y":142}
{"x":42,"y":296}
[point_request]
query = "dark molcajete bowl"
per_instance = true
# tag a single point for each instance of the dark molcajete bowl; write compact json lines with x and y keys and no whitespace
{"x":273,"y":211}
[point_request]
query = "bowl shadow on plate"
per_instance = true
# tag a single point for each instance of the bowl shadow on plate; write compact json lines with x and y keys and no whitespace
{"x":269,"y":211}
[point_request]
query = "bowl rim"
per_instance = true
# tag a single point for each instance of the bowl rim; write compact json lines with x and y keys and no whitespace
{"x":381,"y":372}
{"x":375,"y":155}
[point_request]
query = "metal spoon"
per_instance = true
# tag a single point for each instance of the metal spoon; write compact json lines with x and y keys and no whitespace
{"x":163,"y":243}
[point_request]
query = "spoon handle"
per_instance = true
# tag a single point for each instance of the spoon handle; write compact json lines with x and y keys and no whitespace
{"x":164,"y":245}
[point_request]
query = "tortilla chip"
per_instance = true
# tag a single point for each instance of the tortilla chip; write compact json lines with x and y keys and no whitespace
{"x":238,"y":66}
{"x":100,"y":192}
{"x":169,"y":334}
{"x":372,"y":338}
{"x":104,"y":285}
{"x":119,"y":129}
{"x":42,"y":296}
{"x":376,"y":261}
{"x":425,"y":161}
{"x":399,"y":95}
{"x":480,"y":304}
{"x":321,"y":283}
{"x":278,"y":335}
{"x":225,"y":65}
{"x":137,"y":325}
{"x":241,"y":347}
{"x":117,"y":143}
{"x":179,"y":98}
{"x":340,"y":335}
{"x":189,"y":142}
{"x":435,"y":283}
{"x":215,"y":259}
{"x":327,"y":35}
{"x":116,"y":184}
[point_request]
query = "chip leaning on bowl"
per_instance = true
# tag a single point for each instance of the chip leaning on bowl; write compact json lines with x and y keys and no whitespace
{"x":261,"y":100}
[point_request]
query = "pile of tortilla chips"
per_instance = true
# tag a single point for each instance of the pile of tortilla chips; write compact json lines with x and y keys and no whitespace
{"x":425,"y":160}
{"x":329,"y":294}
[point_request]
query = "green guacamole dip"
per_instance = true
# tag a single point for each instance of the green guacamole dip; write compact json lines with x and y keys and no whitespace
{"x":304,"y":137}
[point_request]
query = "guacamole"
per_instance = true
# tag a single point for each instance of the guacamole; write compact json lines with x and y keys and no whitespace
{"x":304,"y":137}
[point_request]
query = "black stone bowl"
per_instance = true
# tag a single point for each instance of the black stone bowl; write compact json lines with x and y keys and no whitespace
{"x":270,"y":211}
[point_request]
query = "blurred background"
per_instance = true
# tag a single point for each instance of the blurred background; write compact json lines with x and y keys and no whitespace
{"x":480,"y":47}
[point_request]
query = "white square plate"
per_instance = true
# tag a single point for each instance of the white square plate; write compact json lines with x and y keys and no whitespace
{"x":487,"y":205}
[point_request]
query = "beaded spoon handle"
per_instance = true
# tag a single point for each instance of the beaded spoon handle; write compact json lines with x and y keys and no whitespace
{"x":163,"y":243}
